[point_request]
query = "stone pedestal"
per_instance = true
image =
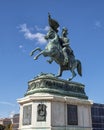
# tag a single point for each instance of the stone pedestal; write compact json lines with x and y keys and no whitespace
{"x":54,"y":104}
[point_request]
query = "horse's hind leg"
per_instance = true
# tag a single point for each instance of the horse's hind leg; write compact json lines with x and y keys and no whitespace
{"x":73,"y":75}
{"x":59,"y":72}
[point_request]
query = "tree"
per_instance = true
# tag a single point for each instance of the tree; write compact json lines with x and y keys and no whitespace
{"x":2,"y":127}
{"x":8,"y":127}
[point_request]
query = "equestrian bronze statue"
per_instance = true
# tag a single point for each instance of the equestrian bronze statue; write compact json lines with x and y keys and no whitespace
{"x":59,"y":50}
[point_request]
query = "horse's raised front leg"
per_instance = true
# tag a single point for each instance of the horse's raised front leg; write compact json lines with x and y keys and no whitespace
{"x":36,"y":49}
{"x":44,"y":53}
{"x":36,"y":57}
{"x":59,"y":72}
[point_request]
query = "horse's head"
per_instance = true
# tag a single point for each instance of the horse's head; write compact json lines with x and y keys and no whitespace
{"x":50,"y":34}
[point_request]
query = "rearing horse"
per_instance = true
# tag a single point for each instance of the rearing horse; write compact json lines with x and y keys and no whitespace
{"x":54,"y":50}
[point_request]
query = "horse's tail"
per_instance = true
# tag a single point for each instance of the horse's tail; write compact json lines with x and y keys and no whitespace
{"x":79,"y":67}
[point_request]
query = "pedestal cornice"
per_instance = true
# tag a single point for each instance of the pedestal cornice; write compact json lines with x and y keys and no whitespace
{"x":52,"y":85}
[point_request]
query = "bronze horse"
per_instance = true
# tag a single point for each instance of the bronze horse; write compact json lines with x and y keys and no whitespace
{"x":54,"y":50}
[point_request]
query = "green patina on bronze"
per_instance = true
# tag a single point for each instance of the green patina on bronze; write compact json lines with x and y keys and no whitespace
{"x":58,"y":50}
{"x":48,"y":83}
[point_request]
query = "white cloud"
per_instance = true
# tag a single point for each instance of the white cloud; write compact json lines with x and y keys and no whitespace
{"x":20,"y":46}
{"x":7,"y":103}
{"x":98,"y":24}
{"x":39,"y":37}
{"x":42,"y":29}
{"x":11,"y":114}
{"x":46,"y":28}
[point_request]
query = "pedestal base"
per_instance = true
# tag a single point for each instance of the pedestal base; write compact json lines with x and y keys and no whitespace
{"x":54,"y":104}
{"x":53,"y":113}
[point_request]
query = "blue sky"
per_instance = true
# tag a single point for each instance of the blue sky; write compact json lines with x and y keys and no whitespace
{"x":23,"y":23}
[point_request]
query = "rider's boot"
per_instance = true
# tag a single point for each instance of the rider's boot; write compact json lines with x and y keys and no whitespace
{"x":65,"y":57}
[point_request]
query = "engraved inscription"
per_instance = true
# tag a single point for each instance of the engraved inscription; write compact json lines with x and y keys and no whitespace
{"x":72,"y":118}
{"x":27,"y":110}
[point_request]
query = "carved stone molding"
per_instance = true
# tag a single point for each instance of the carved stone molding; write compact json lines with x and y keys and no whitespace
{"x":53,"y":85}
